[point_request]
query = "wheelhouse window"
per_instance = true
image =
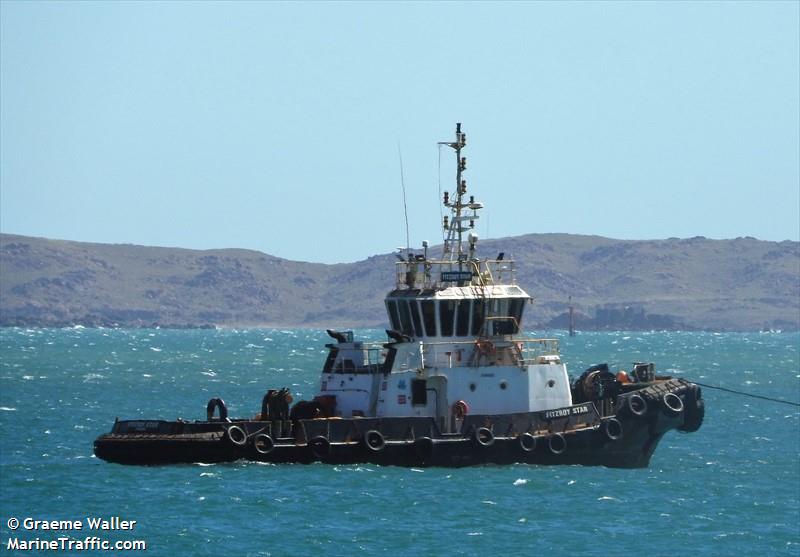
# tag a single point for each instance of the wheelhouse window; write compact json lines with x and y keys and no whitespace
{"x":429,"y":317}
{"x":515,"y":309}
{"x":462,"y":323}
{"x":394,"y":316}
{"x":405,"y":317}
{"x":506,"y":315}
{"x":415,"y":317}
{"x":446,"y":316}
{"x":478,"y":312}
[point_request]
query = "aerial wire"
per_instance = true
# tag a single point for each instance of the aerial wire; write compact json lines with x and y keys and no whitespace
{"x":405,"y":205}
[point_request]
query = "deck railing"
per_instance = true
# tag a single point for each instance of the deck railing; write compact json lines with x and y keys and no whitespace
{"x":460,"y":353}
{"x":520,"y":352}
{"x":431,"y":274}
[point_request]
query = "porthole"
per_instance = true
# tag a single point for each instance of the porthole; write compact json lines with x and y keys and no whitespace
{"x":551,"y":383}
{"x":472,"y":387}
{"x":503,"y":385}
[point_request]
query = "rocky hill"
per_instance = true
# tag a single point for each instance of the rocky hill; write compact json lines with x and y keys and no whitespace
{"x":696,"y":283}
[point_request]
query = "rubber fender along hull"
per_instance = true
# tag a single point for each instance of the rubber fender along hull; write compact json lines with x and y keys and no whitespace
{"x":624,"y":440}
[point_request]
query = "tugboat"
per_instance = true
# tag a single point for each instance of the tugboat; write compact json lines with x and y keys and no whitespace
{"x":456,"y":384}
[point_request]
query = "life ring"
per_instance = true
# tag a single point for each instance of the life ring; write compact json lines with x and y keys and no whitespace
{"x":320,"y":446}
{"x":460,"y":409}
{"x":236,"y":435}
{"x":557,"y":443}
{"x":527,"y":442}
{"x":263,"y":443}
{"x":612,"y":427}
{"x":637,"y":405}
{"x":374,"y":440}
{"x":673,"y":405}
{"x":486,"y":347}
{"x":484,"y":437}
{"x":213,"y":404}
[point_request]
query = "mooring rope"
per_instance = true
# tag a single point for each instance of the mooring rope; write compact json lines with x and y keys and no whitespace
{"x":748,"y":394}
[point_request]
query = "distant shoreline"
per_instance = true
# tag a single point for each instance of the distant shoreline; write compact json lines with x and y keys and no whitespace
{"x":688,"y":284}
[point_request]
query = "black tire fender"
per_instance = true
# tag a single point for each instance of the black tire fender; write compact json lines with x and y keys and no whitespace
{"x":236,"y":435}
{"x":263,"y":443}
{"x":423,"y":447}
{"x":695,"y":410}
{"x":612,"y":427}
{"x":637,"y":404}
{"x":374,"y":440}
{"x":484,"y":437}
{"x":320,"y":446}
{"x":672,"y":403}
{"x":527,"y":442}
{"x":212,"y":405}
{"x":557,"y":443}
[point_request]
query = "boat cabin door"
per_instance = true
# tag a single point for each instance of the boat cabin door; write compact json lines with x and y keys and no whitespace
{"x":433,"y":391}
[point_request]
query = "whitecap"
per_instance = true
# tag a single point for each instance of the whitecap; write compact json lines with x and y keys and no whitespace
{"x":7,"y":409}
{"x":154,"y":349}
{"x":607,"y":498}
{"x":487,"y":502}
{"x":474,"y":533}
{"x":520,"y":481}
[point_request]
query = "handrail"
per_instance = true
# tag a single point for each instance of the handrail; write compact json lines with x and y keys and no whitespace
{"x":487,"y":272}
{"x":511,"y":351}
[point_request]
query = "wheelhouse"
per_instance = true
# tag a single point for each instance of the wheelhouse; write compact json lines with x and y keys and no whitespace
{"x":457,"y":312}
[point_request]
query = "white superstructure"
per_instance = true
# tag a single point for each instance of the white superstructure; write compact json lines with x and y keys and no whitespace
{"x":456,"y":343}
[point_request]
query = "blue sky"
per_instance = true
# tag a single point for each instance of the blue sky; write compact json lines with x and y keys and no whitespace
{"x":275,"y":126}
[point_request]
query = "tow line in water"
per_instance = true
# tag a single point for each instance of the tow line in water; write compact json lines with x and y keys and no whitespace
{"x":789,"y":402}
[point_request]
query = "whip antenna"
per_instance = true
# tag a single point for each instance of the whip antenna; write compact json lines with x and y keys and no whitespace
{"x":405,"y":205}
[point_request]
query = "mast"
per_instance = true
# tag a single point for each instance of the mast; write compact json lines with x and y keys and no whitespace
{"x":571,"y":318}
{"x":453,"y":249}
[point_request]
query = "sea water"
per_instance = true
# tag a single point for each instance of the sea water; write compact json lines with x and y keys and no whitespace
{"x":732,"y":488}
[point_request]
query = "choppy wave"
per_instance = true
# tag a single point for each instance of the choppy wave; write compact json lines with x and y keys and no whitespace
{"x":731,"y":488}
